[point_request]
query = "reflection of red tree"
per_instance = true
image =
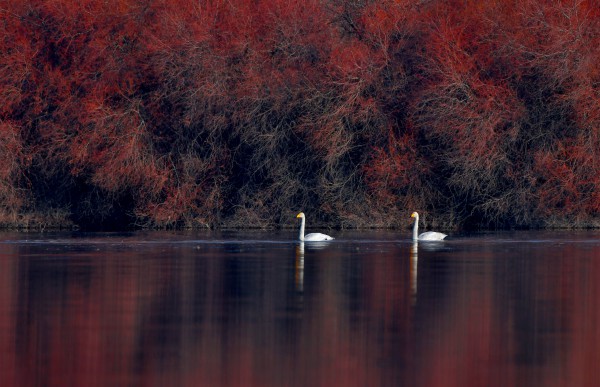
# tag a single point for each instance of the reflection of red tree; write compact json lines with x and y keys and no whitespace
{"x":128,"y":317}
{"x":584,"y":357}
{"x":9,"y":375}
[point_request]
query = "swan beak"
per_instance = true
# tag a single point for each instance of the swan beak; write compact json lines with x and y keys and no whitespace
{"x":412,"y":215}
{"x":299,"y":215}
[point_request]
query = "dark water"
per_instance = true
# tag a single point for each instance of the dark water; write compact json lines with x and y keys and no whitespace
{"x":253,"y":309}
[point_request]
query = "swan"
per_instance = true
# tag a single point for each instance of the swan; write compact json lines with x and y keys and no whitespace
{"x":313,"y":237}
{"x":426,"y":236}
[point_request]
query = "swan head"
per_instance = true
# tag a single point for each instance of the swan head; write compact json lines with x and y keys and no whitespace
{"x":414,"y":215}
{"x":300,"y":215}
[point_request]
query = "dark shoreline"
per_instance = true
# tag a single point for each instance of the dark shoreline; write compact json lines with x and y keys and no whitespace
{"x":72,"y":227}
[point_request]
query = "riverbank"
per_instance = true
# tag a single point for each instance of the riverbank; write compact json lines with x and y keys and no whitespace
{"x":61,"y":220}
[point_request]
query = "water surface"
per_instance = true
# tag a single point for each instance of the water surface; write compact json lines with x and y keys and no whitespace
{"x":260,"y":309}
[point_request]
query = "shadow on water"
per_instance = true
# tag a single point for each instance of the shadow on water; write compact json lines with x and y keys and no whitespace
{"x":232,"y":309}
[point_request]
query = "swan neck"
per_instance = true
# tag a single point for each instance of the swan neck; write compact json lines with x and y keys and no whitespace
{"x":416,"y":228}
{"x":301,"y":234}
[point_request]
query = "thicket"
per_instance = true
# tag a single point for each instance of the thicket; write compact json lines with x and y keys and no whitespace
{"x":177,"y":113}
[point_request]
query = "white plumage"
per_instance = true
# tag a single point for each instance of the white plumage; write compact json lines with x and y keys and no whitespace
{"x":312,"y":237}
{"x":427,"y":235}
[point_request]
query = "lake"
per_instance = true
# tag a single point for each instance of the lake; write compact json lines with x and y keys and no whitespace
{"x":260,"y":309}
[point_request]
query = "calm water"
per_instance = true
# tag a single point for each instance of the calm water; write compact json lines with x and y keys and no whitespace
{"x":253,"y":309}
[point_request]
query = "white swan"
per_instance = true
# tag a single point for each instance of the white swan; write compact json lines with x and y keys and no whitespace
{"x":426,"y":236}
{"x":313,"y":237}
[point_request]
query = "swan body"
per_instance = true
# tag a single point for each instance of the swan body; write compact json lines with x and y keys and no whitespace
{"x":312,"y":237}
{"x":426,"y":236}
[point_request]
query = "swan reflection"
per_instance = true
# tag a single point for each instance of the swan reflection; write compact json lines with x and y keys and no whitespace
{"x":316,"y":245}
{"x":414,"y":263}
{"x":299,"y":266}
{"x":433,"y":246}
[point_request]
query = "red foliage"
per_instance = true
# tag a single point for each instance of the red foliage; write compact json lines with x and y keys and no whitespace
{"x":193,"y":113}
{"x":569,"y":179}
{"x":12,"y":160}
{"x":395,"y":171}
